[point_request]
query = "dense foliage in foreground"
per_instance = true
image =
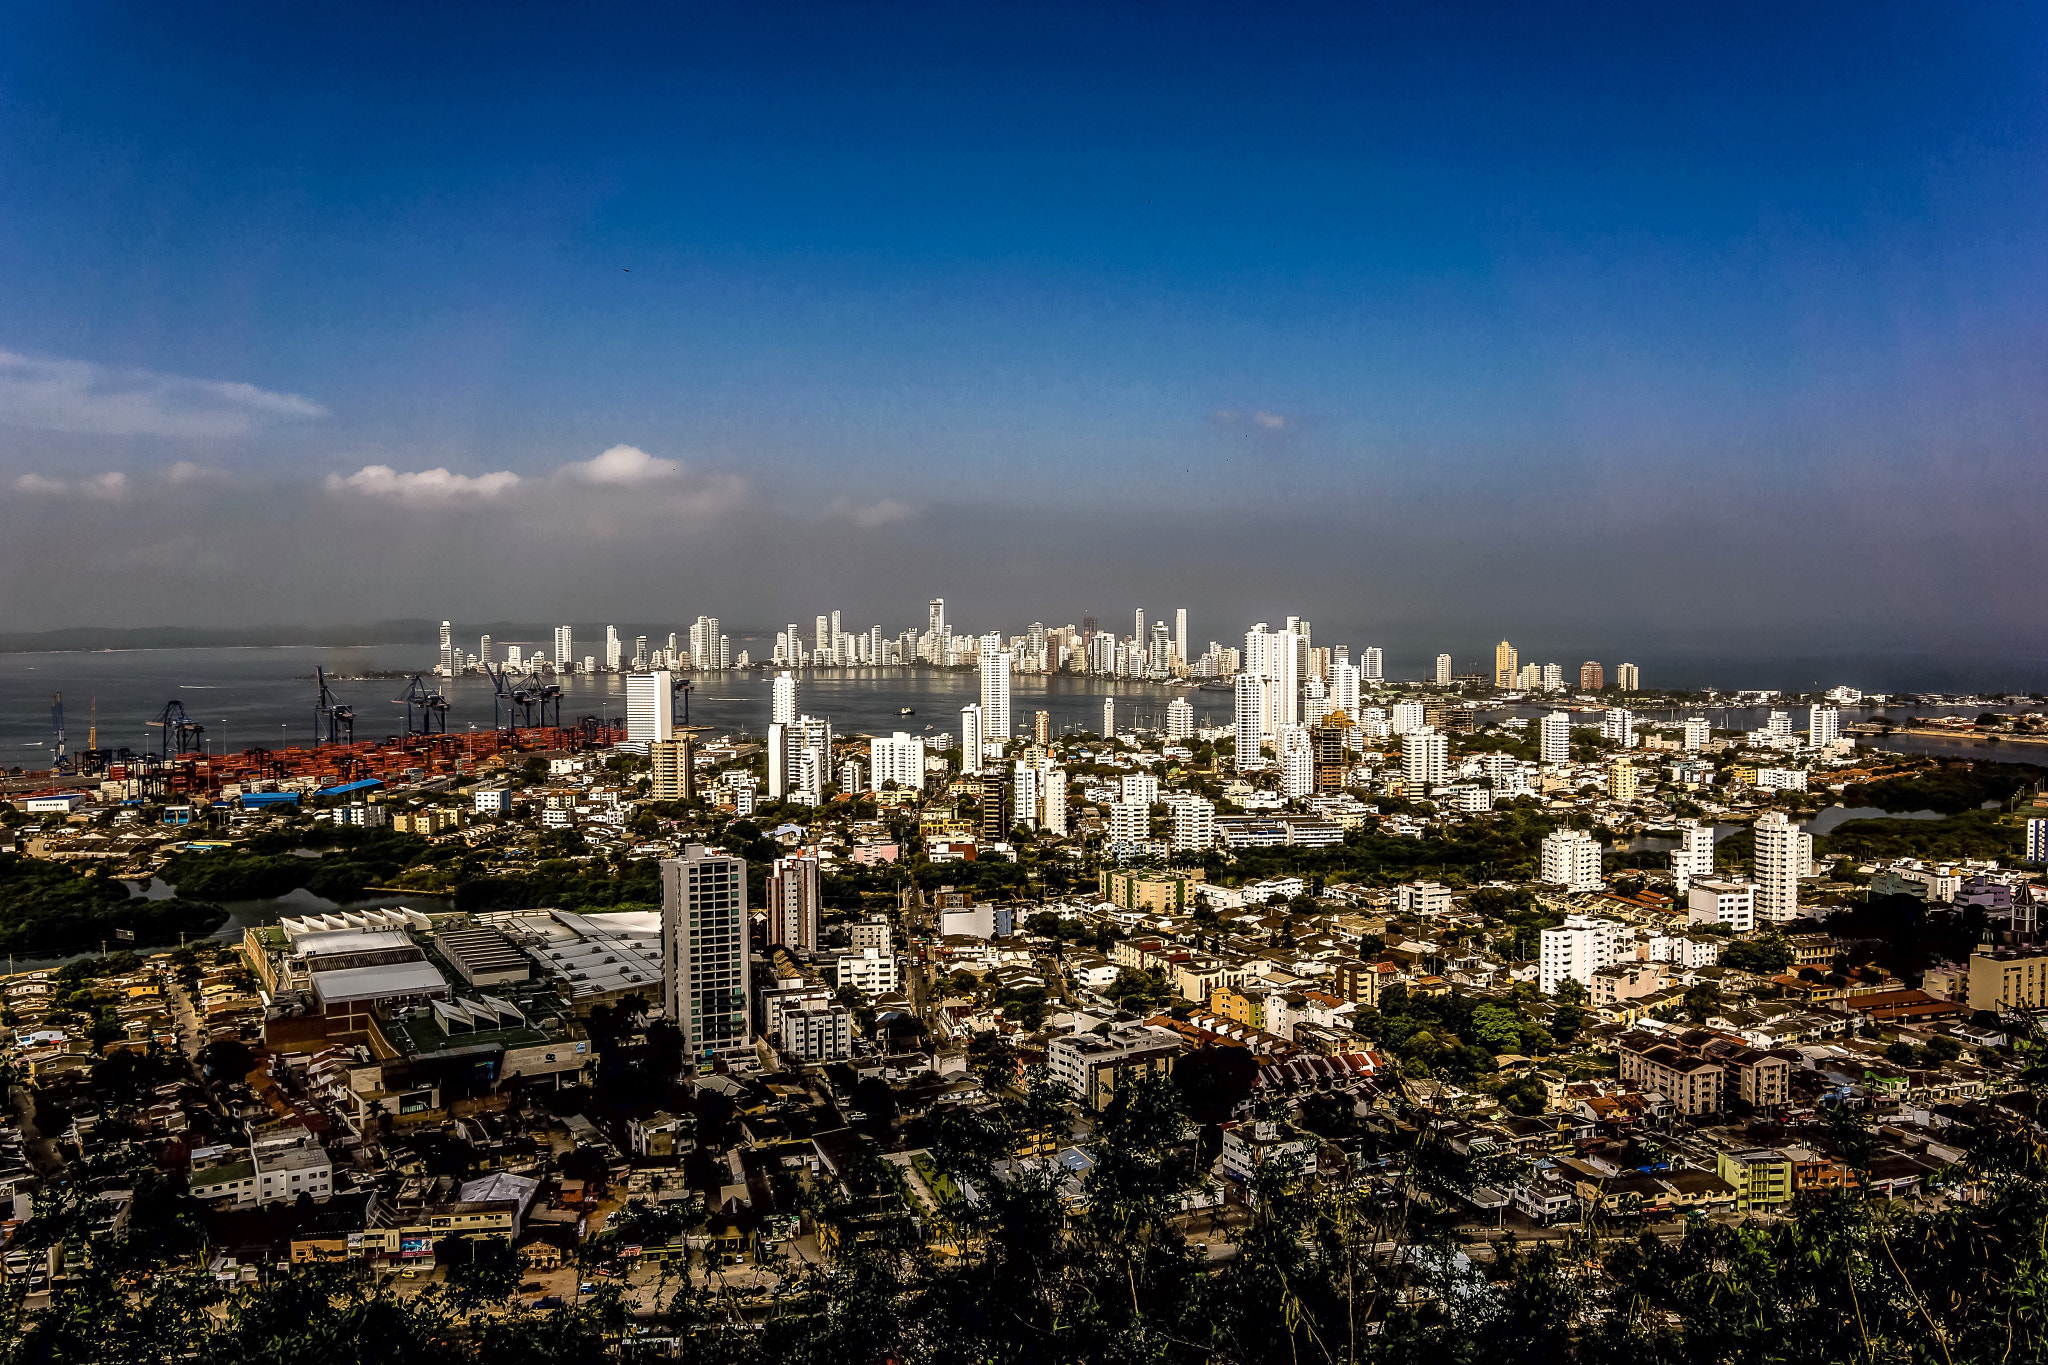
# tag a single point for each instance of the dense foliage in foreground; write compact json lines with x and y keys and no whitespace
{"x":1322,"y":1273}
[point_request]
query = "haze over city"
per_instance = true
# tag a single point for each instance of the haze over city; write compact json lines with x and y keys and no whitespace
{"x":1647,"y":332}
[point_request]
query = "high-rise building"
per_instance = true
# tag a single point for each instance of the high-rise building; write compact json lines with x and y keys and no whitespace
{"x":1571,"y":858}
{"x":1823,"y":726}
{"x":785,"y":698}
{"x":1052,"y":798}
{"x":1373,"y":668}
{"x":795,"y":905}
{"x":2037,"y":840}
{"x":1180,"y":635}
{"x":970,"y":738}
{"x":1194,"y":823}
{"x":1443,"y":670}
{"x":1130,"y":822}
{"x":1409,"y":716}
{"x":650,"y":707}
{"x":1783,"y":853}
{"x":1627,"y":678}
{"x":1592,"y":677}
{"x":612,"y":649}
{"x":1619,"y":725}
{"x":1505,"y":667}
{"x":1024,"y":805}
{"x":799,"y":759}
{"x":898,"y":759}
{"x":1297,"y":764}
{"x":1553,"y":678}
{"x":565,"y":649}
{"x":995,"y":691}
{"x":705,"y":986}
{"x":1621,"y":780}
{"x":995,"y":806}
{"x":1041,"y":728}
{"x":1694,"y":856}
{"x":483,"y":649}
{"x":447,"y":665}
{"x":672,"y":769}
{"x":1180,"y":719}
{"x":1251,"y":705}
{"x":1344,"y":688}
{"x":1138,"y":631}
{"x":1108,"y":717}
{"x":704,"y":642}
{"x":639,"y":651}
{"x":1576,"y":949}
{"x":1556,"y":737}
{"x":1425,"y":761}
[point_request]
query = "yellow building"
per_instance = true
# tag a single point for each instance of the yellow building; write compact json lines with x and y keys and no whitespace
{"x":1154,"y":892}
{"x":1762,"y":1176}
{"x":1237,"y":1007}
{"x":1504,"y":665}
{"x":2007,"y":980}
{"x":1621,"y":780}
{"x":672,"y":767}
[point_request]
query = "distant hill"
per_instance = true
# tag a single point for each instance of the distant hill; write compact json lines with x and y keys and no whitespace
{"x":204,"y":637}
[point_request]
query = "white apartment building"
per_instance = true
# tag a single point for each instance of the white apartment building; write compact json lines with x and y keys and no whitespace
{"x":1556,"y":739}
{"x":873,"y":971}
{"x":995,"y":690}
{"x":1408,"y":715}
{"x":898,"y":759}
{"x":1571,"y":859}
{"x":1694,"y":856}
{"x":1784,"y":852}
{"x":1443,"y":670}
{"x":784,"y":703}
{"x":1130,"y":822}
{"x":1823,"y":726}
{"x":1194,"y":823}
{"x":1024,"y":804}
{"x":1142,"y":787}
{"x":1344,"y":688}
{"x":1710,"y":900}
{"x":650,"y":707}
{"x":1250,"y":731}
{"x":1425,"y":760}
{"x":970,"y":738}
{"x":1297,"y":764}
{"x":1180,"y":719}
{"x":1371,"y":666}
{"x":818,"y":1035}
{"x":1576,"y":949}
{"x":1619,"y":725}
{"x":1697,"y":733}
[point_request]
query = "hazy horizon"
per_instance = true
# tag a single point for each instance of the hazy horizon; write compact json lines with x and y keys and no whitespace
{"x":1661,"y":334}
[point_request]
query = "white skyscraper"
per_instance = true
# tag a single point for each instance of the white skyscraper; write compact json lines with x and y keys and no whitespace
{"x":1694,"y":856}
{"x":1619,"y":725}
{"x":995,"y":691}
{"x":1408,"y":716}
{"x":1576,"y":949}
{"x":1297,"y":764}
{"x":1024,"y":805}
{"x":1823,"y":726}
{"x":1251,"y":701}
{"x":1194,"y":823}
{"x":1571,"y":859}
{"x":1180,"y":634}
{"x":704,"y":979}
{"x":1697,"y":732}
{"x":1783,"y":853}
{"x":970,"y":738}
{"x":1129,"y":822}
{"x":1443,"y":670}
{"x":1052,"y":797}
{"x":1373,"y":669}
{"x":898,"y":759}
{"x":565,"y":649}
{"x":704,"y":642}
{"x":1425,"y":760}
{"x":1108,"y":717}
{"x":1556,"y":750}
{"x":1780,"y":723}
{"x":650,"y":707}
{"x":1180,"y":719}
{"x":1344,"y":688}
{"x":784,"y":699}
{"x":1138,"y":631}
{"x":611,"y":648}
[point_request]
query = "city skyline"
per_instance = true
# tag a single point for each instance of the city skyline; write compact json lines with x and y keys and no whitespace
{"x":1410,"y":323}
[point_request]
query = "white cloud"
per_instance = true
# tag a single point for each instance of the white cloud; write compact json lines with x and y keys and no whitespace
{"x":426,"y":485}
{"x":883,"y":512}
{"x":112,"y":484}
{"x":78,"y":396}
{"x":184,"y":471}
{"x":624,"y":464}
{"x":1256,"y":417}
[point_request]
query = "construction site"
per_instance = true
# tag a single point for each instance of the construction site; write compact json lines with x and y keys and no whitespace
{"x":526,"y":719}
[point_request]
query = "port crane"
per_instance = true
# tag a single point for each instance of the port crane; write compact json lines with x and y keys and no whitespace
{"x":333,"y":723}
{"x":426,"y":710}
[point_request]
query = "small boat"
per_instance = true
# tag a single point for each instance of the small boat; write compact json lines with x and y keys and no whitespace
{"x":907,"y":711}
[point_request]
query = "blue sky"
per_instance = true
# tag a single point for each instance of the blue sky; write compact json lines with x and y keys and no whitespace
{"x":1466,"y":319}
